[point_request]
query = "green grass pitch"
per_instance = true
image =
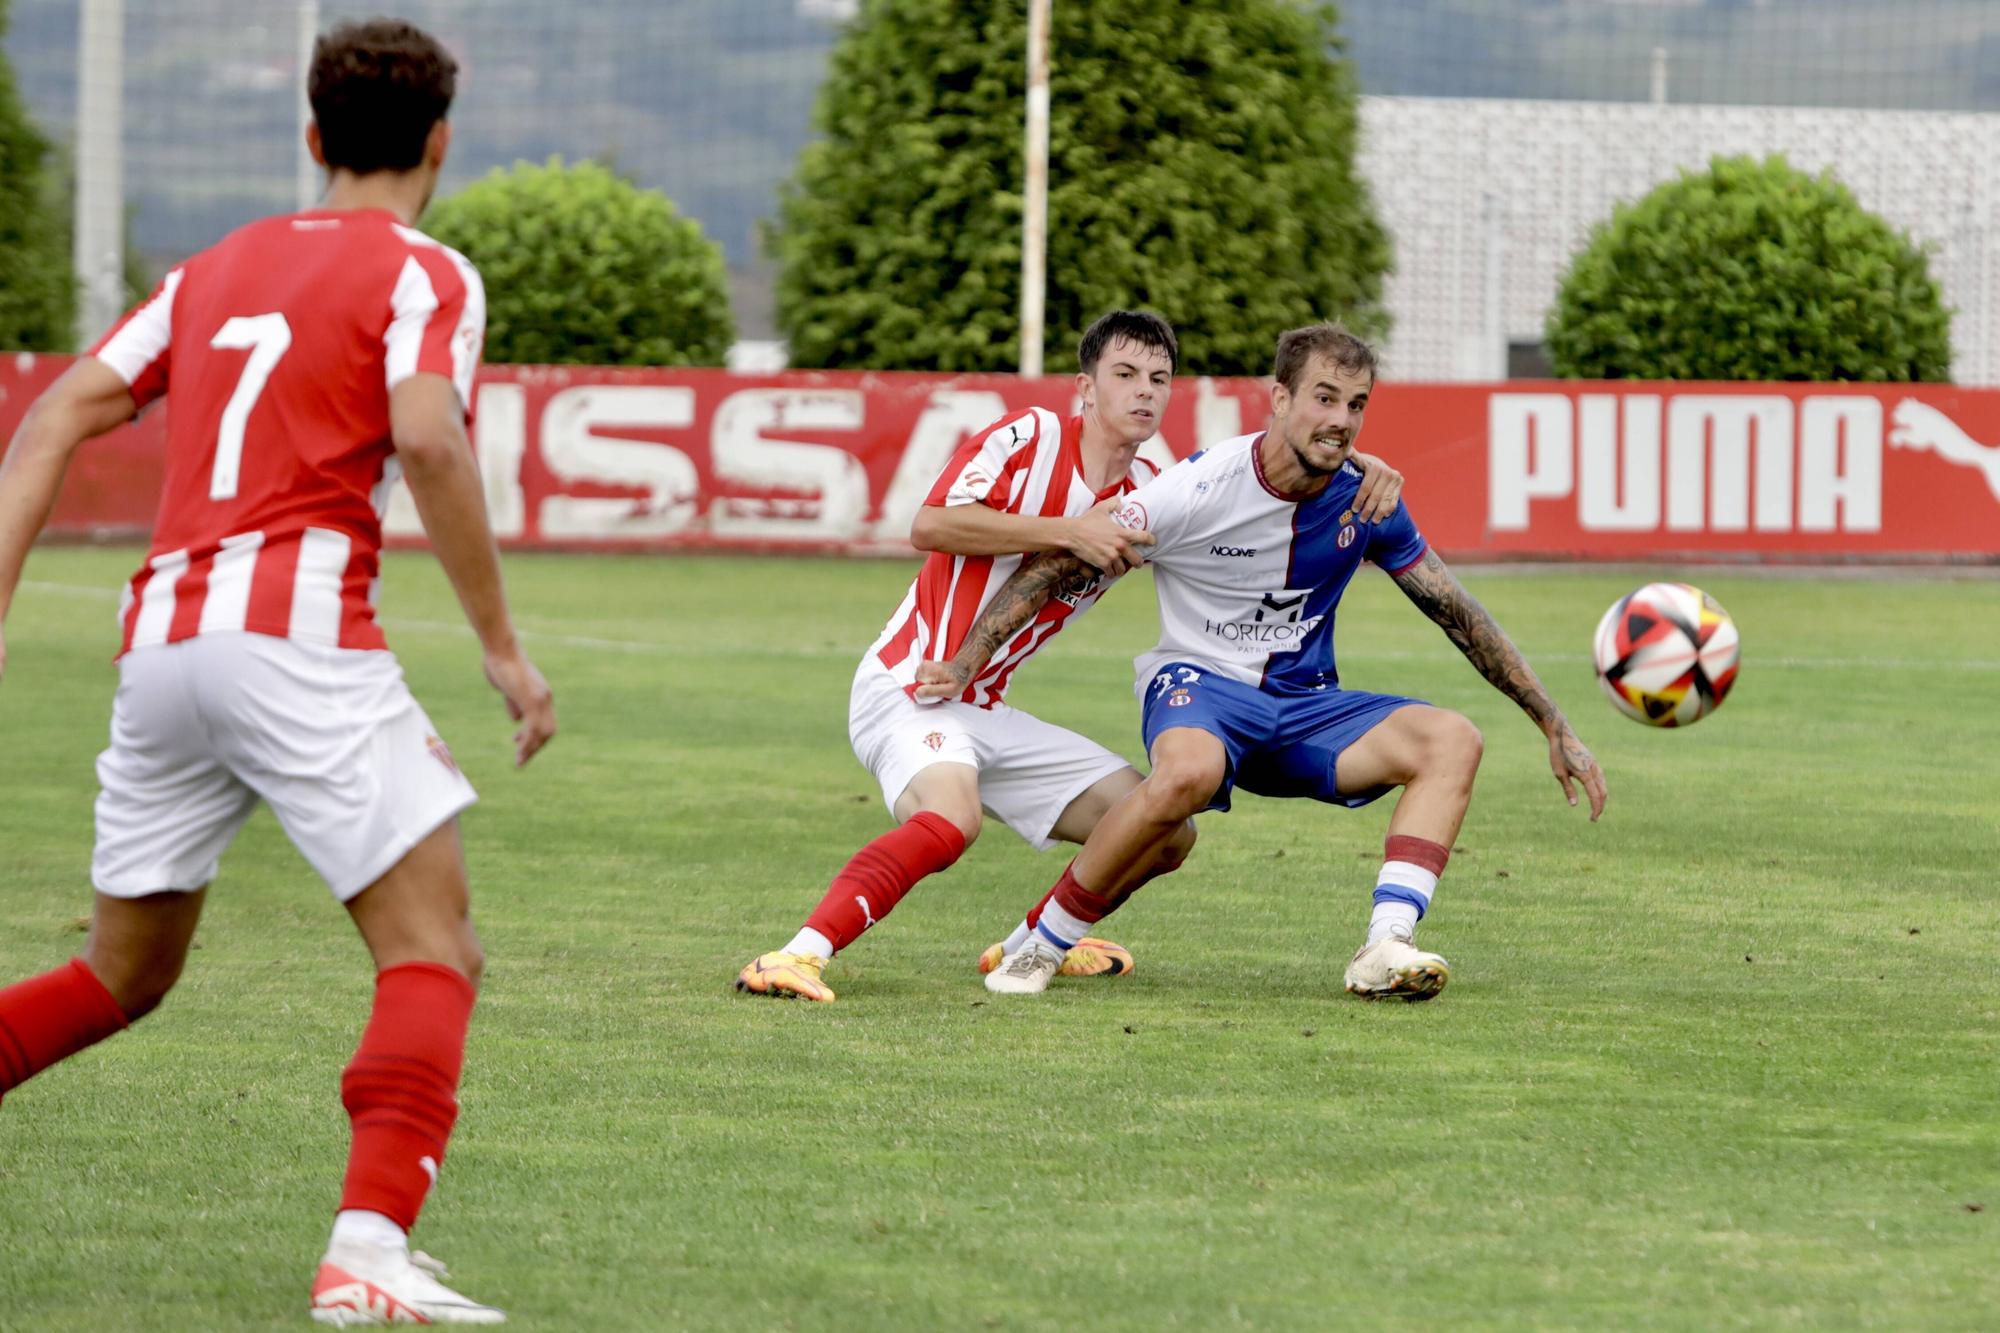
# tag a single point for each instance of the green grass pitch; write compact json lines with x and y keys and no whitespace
{"x":1726,"y":1060}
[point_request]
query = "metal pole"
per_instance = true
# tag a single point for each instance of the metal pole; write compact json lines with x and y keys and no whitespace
{"x":1035,"y":203}
{"x":97,"y":250}
{"x":308,"y":182}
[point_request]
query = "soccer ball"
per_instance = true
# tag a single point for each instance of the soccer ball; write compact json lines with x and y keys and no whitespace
{"x":1666,"y":654}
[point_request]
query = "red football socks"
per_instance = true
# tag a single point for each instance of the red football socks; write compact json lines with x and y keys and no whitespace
{"x":870,"y":885}
{"x":401,"y":1089}
{"x":1420,"y":852}
{"x":1078,"y":901}
{"x":1116,"y":901}
{"x":51,"y":1017}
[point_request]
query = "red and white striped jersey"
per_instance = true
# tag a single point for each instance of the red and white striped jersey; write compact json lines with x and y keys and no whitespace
{"x":277,"y":349}
{"x":1031,"y":464}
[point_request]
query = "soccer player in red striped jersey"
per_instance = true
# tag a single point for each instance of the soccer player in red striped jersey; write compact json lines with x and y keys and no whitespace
{"x":1032,"y":482}
{"x":307,"y":361}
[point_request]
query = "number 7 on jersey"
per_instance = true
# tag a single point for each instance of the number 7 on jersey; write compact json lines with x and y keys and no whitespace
{"x":267,"y":337}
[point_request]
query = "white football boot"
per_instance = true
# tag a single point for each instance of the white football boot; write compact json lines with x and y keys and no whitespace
{"x":1027,"y":970}
{"x":360,"y":1283}
{"x":1395,"y":969}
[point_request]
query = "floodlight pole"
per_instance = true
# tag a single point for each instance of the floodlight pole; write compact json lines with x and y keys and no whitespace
{"x":307,"y":187}
{"x":1035,"y":201}
{"x":97,"y":245}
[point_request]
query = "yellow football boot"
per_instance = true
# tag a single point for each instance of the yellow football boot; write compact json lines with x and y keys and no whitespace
{"x":785,"y":976}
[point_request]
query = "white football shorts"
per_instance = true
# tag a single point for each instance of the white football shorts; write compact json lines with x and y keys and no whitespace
{"x":330,"y":737}
{"x":1029,"y":770}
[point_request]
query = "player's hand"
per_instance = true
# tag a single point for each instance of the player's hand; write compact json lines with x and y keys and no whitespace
{"x":1572,"y":761}
{"x":529,"y":701}
{"x":1103,"y":544}
{"x":1381,"y":489}
{"x":941,"y":680}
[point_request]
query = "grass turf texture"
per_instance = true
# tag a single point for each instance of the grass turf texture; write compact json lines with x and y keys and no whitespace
{"x":1724,"y":1060}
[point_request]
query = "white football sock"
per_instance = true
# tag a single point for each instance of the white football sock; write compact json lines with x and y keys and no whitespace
{"x":1018,"y":938}
{"x":1392,"y":918}
{"x":358,"y":1225}
{"x":1059,"y":927}
{"x":1403,"y":892}
{"x":809,"y":940}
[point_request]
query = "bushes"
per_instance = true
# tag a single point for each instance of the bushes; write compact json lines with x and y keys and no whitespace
{"x":583,"y":267}
{"x":1201,"y":164}
{"x":37,"y":282}
{"x":1749,"y":271}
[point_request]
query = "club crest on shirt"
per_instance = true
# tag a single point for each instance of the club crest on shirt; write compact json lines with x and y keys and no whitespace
{"x":1179,"y":699}
{"x":441,"y":752}
{"x":1346,"y":538}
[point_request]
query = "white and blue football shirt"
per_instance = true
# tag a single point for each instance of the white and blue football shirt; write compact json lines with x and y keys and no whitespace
{"x":1248,"y":577}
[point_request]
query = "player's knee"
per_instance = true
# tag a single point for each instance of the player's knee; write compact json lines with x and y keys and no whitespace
{"x":967,"y":819}
{"x":1177,"y":791}
{"x":138,"y":984}
{"x":1453,"y":746}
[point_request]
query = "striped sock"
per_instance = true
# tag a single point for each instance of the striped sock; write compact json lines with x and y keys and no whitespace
{"x":1405,"y":886}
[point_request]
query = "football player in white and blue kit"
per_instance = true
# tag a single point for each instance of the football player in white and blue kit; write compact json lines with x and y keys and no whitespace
{"x":1256,"y":539}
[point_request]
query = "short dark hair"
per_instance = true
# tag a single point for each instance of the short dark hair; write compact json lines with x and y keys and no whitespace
{"x":1296,"y":347}
{"x":376,"y":89}
{"x":1133,"y":326}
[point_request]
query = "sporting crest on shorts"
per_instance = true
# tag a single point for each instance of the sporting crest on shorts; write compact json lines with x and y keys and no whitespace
{"x":441,"y":752}
{"x":935,"y":740}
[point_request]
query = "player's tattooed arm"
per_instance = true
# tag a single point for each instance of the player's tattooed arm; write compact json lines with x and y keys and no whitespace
{"x":1439,"y":594}
{"x":1019,"y":598}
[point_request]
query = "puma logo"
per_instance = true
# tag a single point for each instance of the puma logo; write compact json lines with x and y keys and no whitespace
{"x":1916,"y":425}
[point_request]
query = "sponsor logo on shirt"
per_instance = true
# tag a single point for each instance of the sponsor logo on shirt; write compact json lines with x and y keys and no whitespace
{"x":1232,"y":551}
{"x":1283,"y":636}
{"x":1275,"y":623}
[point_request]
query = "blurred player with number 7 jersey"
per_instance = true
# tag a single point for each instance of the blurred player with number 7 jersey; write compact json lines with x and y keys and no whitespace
{"x":307,"y":361}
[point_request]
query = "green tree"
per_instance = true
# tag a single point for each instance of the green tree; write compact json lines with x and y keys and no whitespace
{"x":584,"y":268}
{"x":37,"y":287}
{"x":1749,"y":271}
{"x":1201,"y":164}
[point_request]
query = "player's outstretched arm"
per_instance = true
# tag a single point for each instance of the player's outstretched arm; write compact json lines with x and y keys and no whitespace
{"x":428,"y":428}
{"x":1027,"y":592}
{"x":88,"y":400}
{"x":977,"y":529}
{"x":1439,"y":594}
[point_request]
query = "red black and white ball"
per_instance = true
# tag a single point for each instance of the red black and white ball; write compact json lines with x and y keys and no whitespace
{"x":1666,"y":654}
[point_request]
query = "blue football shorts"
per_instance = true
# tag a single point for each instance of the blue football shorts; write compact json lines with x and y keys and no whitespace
{"x":1278,"y":745}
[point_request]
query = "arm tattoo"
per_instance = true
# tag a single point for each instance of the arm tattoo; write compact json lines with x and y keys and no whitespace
{"x":1437,"y":591}
{"x":1019,"y":598}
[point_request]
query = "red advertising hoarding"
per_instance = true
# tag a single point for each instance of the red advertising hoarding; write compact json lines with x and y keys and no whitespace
{"x":839,"y":462}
